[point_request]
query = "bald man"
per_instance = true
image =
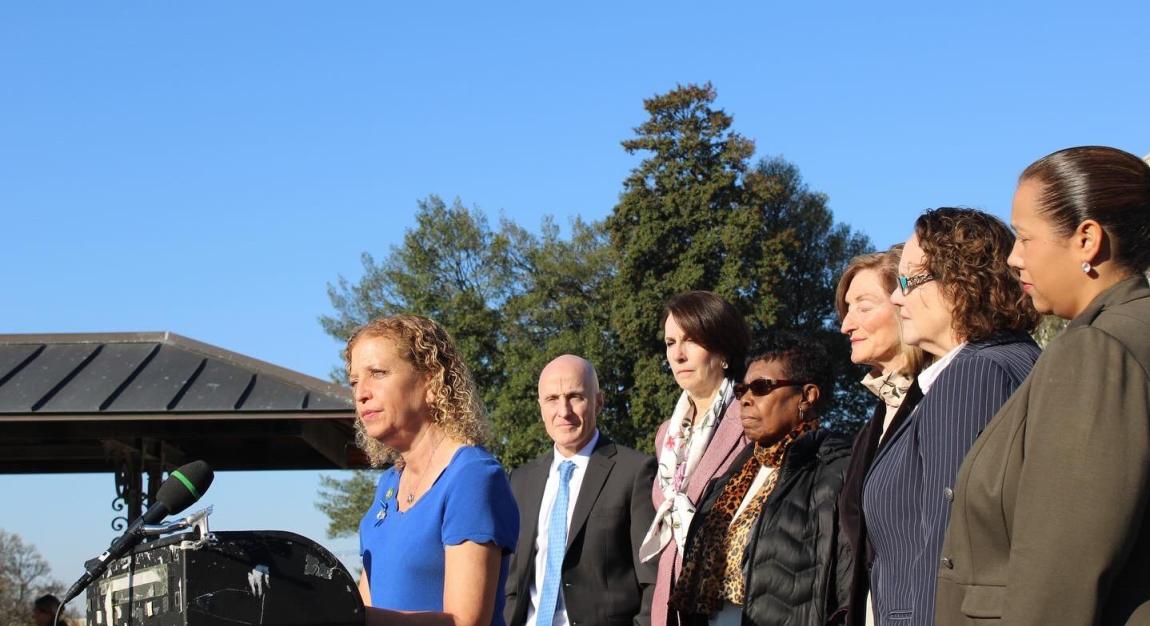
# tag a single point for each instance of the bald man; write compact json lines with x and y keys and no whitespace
{"x":594,"y":497}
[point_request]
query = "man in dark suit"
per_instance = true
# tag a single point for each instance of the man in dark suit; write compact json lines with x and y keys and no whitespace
{"x":584,"y":508}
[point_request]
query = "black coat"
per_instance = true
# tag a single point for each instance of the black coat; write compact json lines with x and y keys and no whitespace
{"x":866,"y":445}
{"x":796,"y":567}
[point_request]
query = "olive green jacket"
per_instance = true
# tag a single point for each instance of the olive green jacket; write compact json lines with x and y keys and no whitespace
{"x":1049,"y":523}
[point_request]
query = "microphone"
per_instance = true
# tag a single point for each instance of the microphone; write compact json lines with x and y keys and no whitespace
{"x":183,"y":487}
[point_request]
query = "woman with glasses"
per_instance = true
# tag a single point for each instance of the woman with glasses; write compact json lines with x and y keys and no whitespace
{"x":763,"y":547}
{"x":871,"y":322}
{"x":706,"y":341}
{"x":962,"y":304}
{"x":1050,"y":522}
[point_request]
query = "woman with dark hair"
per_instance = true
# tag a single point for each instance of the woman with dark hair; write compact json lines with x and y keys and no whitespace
{"x":435,"y":542}
{"x":706,"y":341}
{"x":763,"y":547}
{"x":871,"y":322}
{"x":1050,"y":520}
{"x":962,"y":304}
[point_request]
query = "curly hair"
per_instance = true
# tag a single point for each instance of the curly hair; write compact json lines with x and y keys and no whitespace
{"x":885,"y":264}
{"x":966,"y":250}
{"x":429,"y":348}
{"x":802,"y":358}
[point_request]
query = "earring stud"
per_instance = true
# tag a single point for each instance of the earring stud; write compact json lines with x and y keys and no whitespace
{"x":1086,"y":267}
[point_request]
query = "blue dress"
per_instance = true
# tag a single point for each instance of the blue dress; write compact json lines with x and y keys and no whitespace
{"x":403,"y":551}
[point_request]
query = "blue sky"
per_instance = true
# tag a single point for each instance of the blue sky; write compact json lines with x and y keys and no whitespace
{"x":207,"y":168}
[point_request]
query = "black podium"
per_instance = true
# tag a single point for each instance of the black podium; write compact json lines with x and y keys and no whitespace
{"x":226,"y":578}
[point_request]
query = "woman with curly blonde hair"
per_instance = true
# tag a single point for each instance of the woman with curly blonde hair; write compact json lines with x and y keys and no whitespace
{"x":436,"y":540}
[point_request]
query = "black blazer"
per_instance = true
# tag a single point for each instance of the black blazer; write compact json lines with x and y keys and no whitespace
{"x":603,"y":580}
{"x":851,"y":522}
{"x":910,"y":485}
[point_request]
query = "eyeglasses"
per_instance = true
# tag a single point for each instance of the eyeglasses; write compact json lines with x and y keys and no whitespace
{"x":763,"y":386}
{"x":909,"y":283}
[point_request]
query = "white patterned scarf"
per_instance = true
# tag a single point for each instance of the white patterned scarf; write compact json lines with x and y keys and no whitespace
{"x":679,"y":455}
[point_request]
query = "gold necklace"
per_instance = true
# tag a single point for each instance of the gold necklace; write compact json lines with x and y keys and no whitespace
{"x":426,"y":470}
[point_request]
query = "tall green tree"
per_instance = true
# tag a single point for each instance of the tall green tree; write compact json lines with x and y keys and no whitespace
{"x":694,"y":214}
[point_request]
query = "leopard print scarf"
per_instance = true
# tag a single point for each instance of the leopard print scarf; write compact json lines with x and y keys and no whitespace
{"x":713,"y":565}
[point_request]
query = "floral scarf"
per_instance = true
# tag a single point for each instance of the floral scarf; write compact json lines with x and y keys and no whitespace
{"x":713,"y":565}
{"x":679,"y":455}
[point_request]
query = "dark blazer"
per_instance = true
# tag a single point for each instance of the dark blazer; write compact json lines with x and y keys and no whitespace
{"x":851,"y":521}
{"x":1050,"y":521}
{"x":603,"y":580}
{"x":908,"y":491}
{"x":793,"y":555}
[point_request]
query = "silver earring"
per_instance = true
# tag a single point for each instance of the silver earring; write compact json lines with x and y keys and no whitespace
{"x":724,"y":365}
{"x":1086,"y":267}
{"x":802,"y":415}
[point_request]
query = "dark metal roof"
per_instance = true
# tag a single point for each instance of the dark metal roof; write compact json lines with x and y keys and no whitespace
{"x":67,"y":400}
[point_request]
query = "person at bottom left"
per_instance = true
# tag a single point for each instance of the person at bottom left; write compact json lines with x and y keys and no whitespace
{"x":437,"y":538}
{"x":585,"y":507}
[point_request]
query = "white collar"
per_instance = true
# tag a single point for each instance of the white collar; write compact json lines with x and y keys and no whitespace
{"x":581,"y":458}
{"x":930,"y":374}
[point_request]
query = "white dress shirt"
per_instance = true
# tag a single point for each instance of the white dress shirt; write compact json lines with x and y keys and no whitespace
{"x":580,"y":459}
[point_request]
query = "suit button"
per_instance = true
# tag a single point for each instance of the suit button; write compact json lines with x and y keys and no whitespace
{"x":947,"y":563}
{"x":948,"y":493}
{"x":567,"y":585}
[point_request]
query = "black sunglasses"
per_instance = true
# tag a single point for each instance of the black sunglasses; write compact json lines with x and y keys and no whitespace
{"x":763,"y":386}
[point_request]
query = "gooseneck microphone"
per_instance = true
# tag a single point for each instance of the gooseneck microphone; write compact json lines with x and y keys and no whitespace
{"x":183,"y":487}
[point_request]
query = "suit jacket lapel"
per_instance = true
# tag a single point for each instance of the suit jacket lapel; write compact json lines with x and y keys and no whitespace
{"x":724,"y":444}
{"x":599,"y":466}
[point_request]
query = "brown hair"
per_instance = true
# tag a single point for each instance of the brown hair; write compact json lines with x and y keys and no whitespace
{"x":885,"y":264}
{"x":713,"y":323}
{"x":429,"y":348}
{"x":1103,"y":184}
{"x":966,"y":250}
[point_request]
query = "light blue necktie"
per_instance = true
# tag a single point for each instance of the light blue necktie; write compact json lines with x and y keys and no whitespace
{"x":556,"y":547}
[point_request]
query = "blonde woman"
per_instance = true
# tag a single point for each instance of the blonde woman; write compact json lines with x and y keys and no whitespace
{"x":436,"y":540}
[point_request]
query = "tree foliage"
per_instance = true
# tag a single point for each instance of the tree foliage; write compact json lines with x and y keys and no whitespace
{"x":695,"y":213}
{"x":345,"y":500}
{"x":24,"y":576}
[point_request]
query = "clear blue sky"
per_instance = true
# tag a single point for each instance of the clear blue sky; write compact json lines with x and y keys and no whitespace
{"x":207,"y":168}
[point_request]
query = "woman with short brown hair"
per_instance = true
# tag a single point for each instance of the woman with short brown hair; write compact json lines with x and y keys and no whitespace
{"x":706,"y":344}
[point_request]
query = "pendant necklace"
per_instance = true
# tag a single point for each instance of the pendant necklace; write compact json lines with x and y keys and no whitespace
{"x":426,"y":470}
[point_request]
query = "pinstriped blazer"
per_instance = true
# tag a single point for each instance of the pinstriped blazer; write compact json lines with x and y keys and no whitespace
{"x":909,"y":488}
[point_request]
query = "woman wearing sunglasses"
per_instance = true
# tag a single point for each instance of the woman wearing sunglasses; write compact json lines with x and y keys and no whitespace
{"x":763,"y":546}
{"x":871,"y":322}
{"x":962,"y":304}
{"x":1050,"y":522}
{"x":706,"y":341}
